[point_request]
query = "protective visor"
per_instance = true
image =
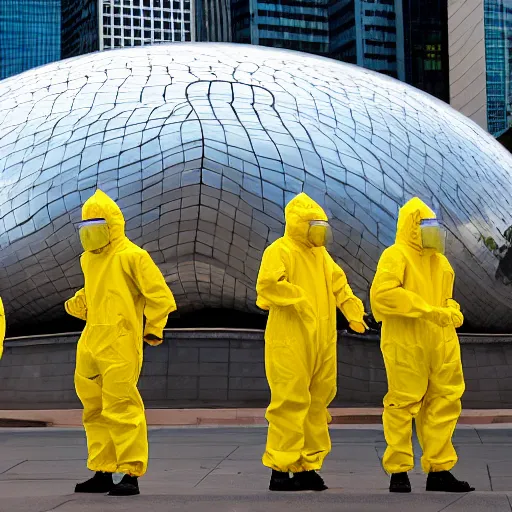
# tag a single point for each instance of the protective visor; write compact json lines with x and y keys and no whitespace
{"x":94,"y":234}
{"x":320,"y":233}
{"x":433,"y":235}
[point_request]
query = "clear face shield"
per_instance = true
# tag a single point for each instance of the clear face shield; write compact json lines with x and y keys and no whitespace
{"x":320,"y":233}
{"x":433,"y":235}
{"x":94,"y":234}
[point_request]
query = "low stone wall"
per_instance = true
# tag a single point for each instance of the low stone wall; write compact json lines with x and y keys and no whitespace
{"x":225,"y":368}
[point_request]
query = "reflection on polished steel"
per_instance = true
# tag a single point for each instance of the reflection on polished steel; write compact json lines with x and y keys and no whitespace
{"x":202,"y":145}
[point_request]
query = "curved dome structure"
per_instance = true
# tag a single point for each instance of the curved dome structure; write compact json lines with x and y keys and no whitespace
{"x":202,"y":145}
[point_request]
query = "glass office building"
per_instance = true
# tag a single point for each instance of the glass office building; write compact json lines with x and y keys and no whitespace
{"x":213,"y":21}
{"x":301,"y":25}
{"x":342,"y":31}
{"x":425,"y":39}
{"x":80,"y":27}
{"x":142,"y":22}
{"x":30,"y":33}
{"x":405,"y":39}
{"x":497,"y":65}
{"x":379,"y":37}
{"x":508,"y":43}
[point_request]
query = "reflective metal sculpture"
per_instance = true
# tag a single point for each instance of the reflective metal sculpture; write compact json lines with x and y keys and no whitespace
{"x":202,"y":145}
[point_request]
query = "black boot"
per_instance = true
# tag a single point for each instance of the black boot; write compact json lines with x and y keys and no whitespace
{"x":100,"y":483}
{"x":309,"y":481}
{"x":128,"y":486}
{"x":444,"y":481}
{"x":281,"y":481}
{"x":400,"y":483}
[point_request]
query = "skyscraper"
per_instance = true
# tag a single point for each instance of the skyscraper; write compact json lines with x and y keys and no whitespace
{"x":80,"y":27}
{"x":141,"y":22}
{"x":406,"y":39}
{"x":497,"y":66}
{"x":213,"y":21}
{"x":295,"y":24}
{"x":29,"y":34}
{"x":366,"y":32}
{"x":343,"y":31}
{"x":425,"y":40}
{"x":379,"y":40}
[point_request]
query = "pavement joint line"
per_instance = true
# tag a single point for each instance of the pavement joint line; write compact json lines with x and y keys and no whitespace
{"x":378,"y":457}
{"x":490,"y":478}
{"x":59,"y":505}
{"x":457,"y":499}
{"x":15,"y":465}
{"x":508,"y":499}
{"x":216,"y":467}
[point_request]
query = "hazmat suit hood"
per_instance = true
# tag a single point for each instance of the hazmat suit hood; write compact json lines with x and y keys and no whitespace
{"x":299,"y":212}
{"x":100,"y":206}
{"x":408,"y":230}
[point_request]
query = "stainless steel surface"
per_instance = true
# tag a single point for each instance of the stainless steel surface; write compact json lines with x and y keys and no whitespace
{"x":202,"y":145}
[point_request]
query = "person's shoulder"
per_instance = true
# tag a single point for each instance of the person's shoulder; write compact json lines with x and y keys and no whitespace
{"x":276,"y":245}
{"x":445,"y":262}
{"x":393,"y":251}
{"x":131,"y":251}
{"x":390,"y":249}
{"x":129,"y":246}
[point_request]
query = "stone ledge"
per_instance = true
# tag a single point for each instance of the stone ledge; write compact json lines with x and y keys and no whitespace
{"x":234,"y":417}
{"x":225,"y":369}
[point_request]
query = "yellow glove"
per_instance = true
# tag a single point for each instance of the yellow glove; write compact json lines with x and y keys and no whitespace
{"x":440,"y":316}
{"x":457,"y":316}
{"x":359,"y":327}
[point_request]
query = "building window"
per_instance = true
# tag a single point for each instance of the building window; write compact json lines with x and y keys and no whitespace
{"x":162,"y":20}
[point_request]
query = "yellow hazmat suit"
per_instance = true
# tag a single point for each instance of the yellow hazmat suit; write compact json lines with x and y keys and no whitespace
{"x":412,"y":296}
{"x":301,"y":286}
{"x":2,"y":328}
{"x":122,"y":286}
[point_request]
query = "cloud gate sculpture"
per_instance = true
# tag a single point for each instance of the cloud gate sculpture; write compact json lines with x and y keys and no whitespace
{"x":202,"y":145}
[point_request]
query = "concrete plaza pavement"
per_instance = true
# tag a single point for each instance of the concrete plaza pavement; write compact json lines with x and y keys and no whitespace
{"x":219,"y":470}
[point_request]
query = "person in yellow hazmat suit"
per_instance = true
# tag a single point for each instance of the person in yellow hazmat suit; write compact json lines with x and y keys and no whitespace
{"x":2,"y":328}
{"x":301,"y":285}
{"x":412,"y":296}
{"x":124,"y":302}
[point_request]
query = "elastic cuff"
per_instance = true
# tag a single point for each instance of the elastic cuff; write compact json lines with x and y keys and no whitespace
{"x":437,"y":468}
{"x":297,"y":468}
{"x":103,"y":468}
{"x":310,"y":467}
{"x":392,"y":469}
{"x":136,"y":469}
{"x":293,"y":468}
